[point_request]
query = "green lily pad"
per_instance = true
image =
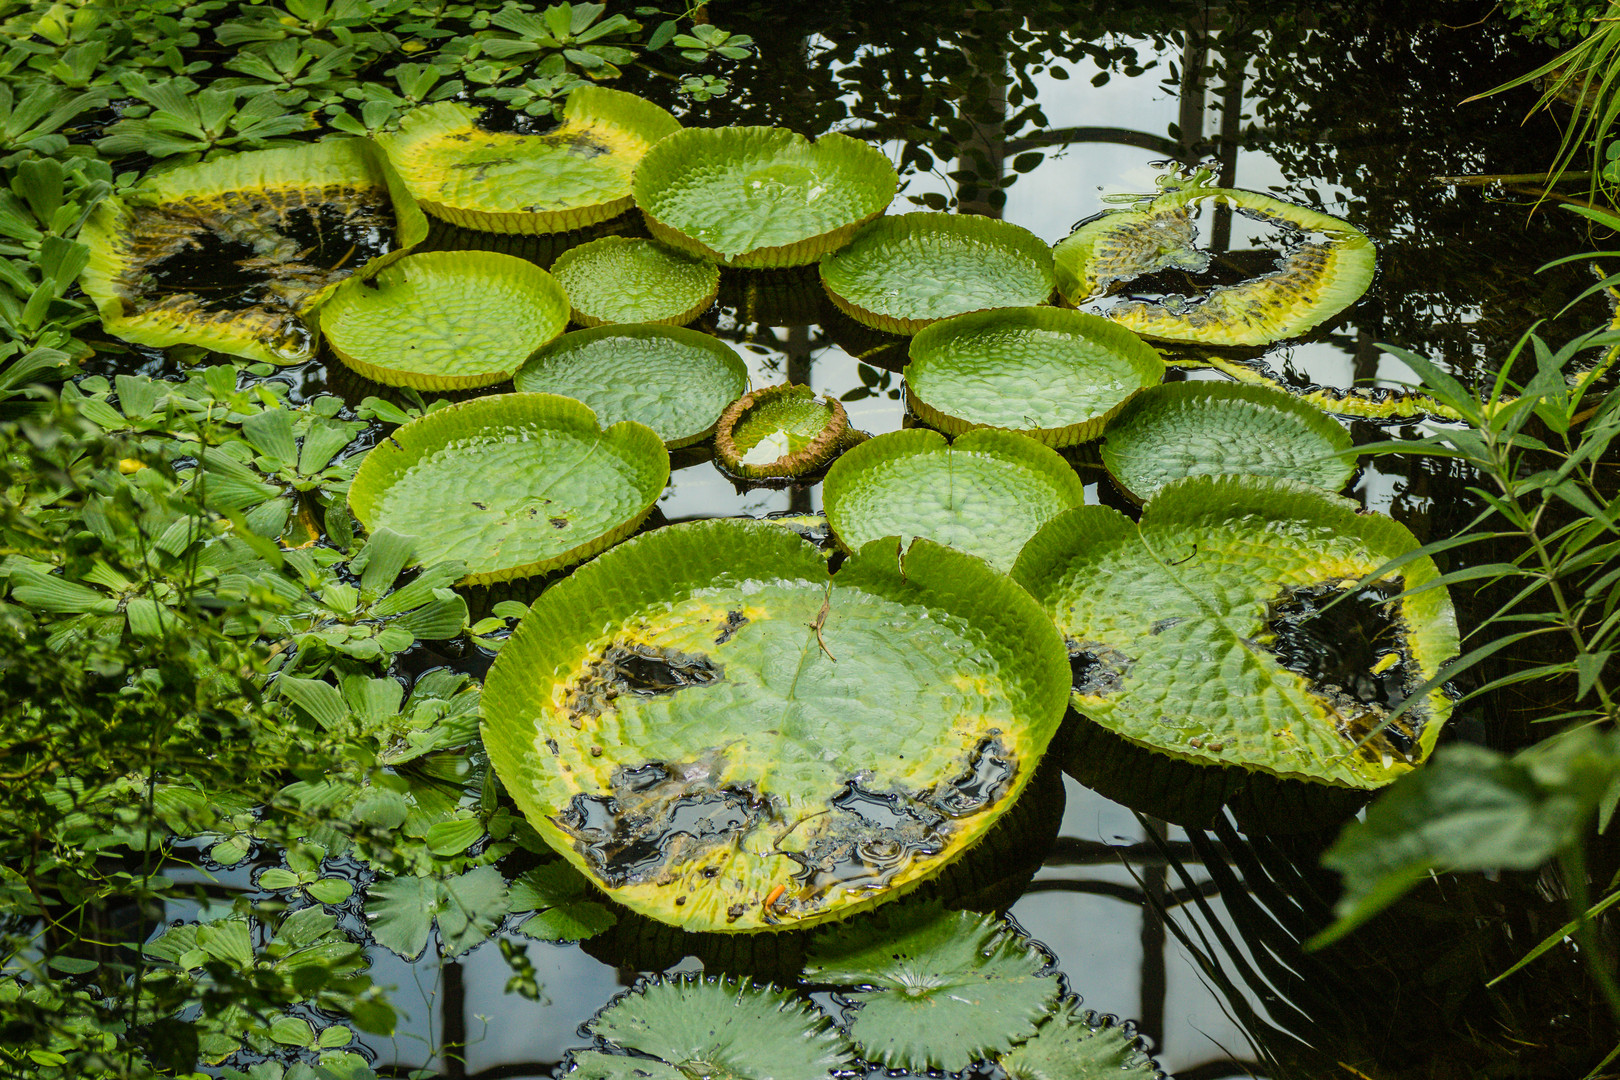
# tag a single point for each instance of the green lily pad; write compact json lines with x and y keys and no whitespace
{"x":902,"y":273}
{"x":674,"y":380}
{"x":986,"y":494}
{"x":716,"y":1028}
{"x":1077,"y":1044}
{"x":1212,"y":429}
{"x":1313,"y":281}
{"x":622,"y":279}
{"x":444,"y":320}
{"x":233,"y":254}
{"x":1057,"y":376}
{"x":496,"y":181}
{"x":761,"y":196}
{"x":511,"y":484}
{"x":1206,"y":633}
{"x":936,"y":989}
{"x":780,"y":431}
{"x":724,"y":738}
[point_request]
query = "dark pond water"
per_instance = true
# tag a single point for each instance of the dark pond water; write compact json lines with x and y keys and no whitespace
{"x":1195,"y":936}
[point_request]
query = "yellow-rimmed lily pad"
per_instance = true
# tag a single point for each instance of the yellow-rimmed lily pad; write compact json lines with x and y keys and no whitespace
{"x":233,"y":254}
{"x":761,"y":196}
{"x":444,"y":320}
{"x":1313,"y":280}
{"x":1176,"y":430}
{"x":624,"y":279}
{"x":901,"y":273}
{"x":1230,"y":628}
{"x":674,"y":380}
{"x":781,"y":431}
{"x":573,"y":176}
{"x":1053,"y":374}
{"x":985,"y":494}
{"x":511,"y":484}
{"x":724,"y":737}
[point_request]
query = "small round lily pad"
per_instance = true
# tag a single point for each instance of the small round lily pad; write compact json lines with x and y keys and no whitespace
{"x":902,"y":273}
{"x":500,"y":181}
{"x":724,"y":737}
{"x":1054,"y":374}
{"x":986,"y":494}
{"x":674,"y":380}
{"x":624,"y":279}
{"x":780,"y":431}
{"x":1208,"y":428}
{"x":444,"y":320}
{"x":761,"y":196}
{"x":511,"y":484}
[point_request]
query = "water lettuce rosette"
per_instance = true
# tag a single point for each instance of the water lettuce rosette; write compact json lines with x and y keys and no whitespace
{"x":901,"y":273}
{"x":625,"y":279}
{"x":1231,"y":627}
{"x":761,"y":196}
{"x":573,"y":176}
{"x":444,"y":320}
{"x":781,"y":431}
{"x":674,"y":380}
{"x":985,"y":494}
{"x":722,"y":736}
{"x":511,"y":484}
{"x":1053,"y":374}
{"x":233,"y":254}
{"x":1313,"y":280}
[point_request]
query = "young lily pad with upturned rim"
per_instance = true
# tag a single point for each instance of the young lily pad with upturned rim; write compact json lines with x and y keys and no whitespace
{"x":761,"y":196}
{"x":444,"y":320}
{"x":625,"y":279}
{"x":780,"y":431}
{"x":724,"y":738}
{"x":233,"y":254}
{"x":1209,"y":429}
{"x":985,"y":494}
{"x":497,"y":181}
{"x":511,"y":484}
{"x":1055,"y":375}
{"x":902,"y":273}
{"x":1312,"y":282}
{"x":674,"y":380}
{"x":1206,"y":633}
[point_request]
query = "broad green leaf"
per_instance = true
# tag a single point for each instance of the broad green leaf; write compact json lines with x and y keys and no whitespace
{"x":471,"y":908}
{"x":624,"y":279}
{"x":400,"y":911}
{"x":453,"y":837}
{"x":595,"y":1065}
{"x":1076,"y":1044}
{"x":228,"y":940}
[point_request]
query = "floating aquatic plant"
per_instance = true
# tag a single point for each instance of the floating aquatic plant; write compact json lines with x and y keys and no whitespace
{"x":722,"y":736}
{"x":901,"y":273}
{"x":1054,"y":375}
{"x":623,"y":279}
{"x":781,"y":431}
{"x":1313,"y":280}
{"x":1077,"y":1044}
{"x":1231,"y":627}
{"x":573,"y":176}
{"x":234,"y":254}
{"x":1208,"y":429}
{"x":761,"y":196}
{"x":674,"y":380}
{"x":984,"y":494}
{"x":512,"y":484}
{"x":444,"y":320}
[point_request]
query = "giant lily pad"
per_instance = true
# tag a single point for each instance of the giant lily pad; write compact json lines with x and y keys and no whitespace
{"x":1313,"y":281}
{"x":623,"y":279}
{"x":986,"y":494}
{"x":498,"y":181}
{"x":1055,"y":375}
{"x":1206,"y":632}
{"x":674,"y":380}
{"x":761,"y":196}
{"x":723,"y":737}
{"x":234,"y":253}
{"x":1208,"y":429}
{"x":902,"y":273}
{"x":444,"y":320}
{"x":781,"y":431}
{"x":512,"y":484}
